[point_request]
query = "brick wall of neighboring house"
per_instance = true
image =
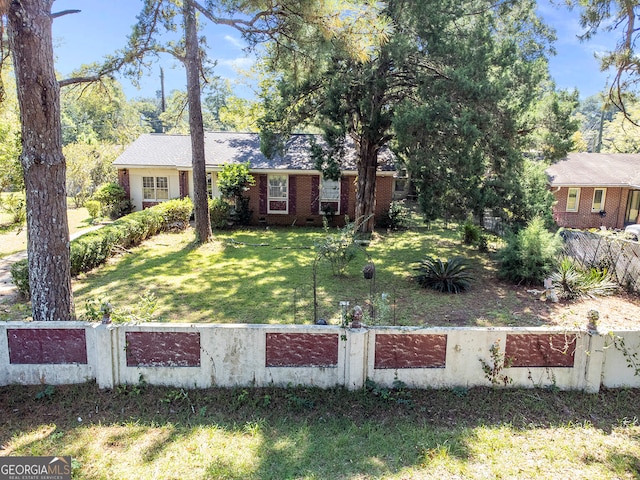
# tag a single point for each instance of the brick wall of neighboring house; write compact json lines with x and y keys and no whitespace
{"x":304,"y":205}
{"x":123,"y":180}
{"x":385,"y":187}
{"x":615,"y":208}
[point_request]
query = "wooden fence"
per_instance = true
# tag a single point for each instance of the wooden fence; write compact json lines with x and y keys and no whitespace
{"x":621,"y":257}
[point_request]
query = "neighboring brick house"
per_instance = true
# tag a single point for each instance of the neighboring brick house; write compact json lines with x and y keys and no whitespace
{"x":288,"y":190}
{"x":595,"y":190}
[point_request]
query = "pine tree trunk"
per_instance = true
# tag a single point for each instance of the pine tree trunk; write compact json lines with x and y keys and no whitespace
{"x":196,"y":125}
{"x":366,"y":185}
{"x":29,"y":26}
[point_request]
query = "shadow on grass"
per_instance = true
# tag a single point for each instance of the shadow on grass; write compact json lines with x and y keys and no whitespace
{"x":301,"y":432}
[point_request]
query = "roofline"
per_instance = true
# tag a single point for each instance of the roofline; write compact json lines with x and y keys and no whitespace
{"x":218,"y":168}
{"x":594,"y":185}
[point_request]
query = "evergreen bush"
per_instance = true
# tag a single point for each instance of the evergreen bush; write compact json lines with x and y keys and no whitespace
{"x":530,"y":255}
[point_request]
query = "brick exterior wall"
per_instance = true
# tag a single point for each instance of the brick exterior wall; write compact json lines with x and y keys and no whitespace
{"x":305,"y":212}
{"x":615,"y":207}
{"x":123,"y":180}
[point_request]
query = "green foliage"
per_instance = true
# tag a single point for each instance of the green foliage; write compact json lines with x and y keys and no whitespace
{"x":530,"y":255}
{"x":632,"y":357}
{"x":450,"y":276}
{"x":95,"y":309}
{"x":142,"y":311}
{"x":493,"y":370}
{"x":98,"y":112}
{"x":11,"y":177}
{"x":398,"y":216}
{"x":175,"y":214}
{"x":554,"y":124}
{"x":88,"y":166}
{"x":20,"y":276}
{"x":398,"y":393}
{"x":534,"y":199}
{"x":572,"y":282}
{"x":472,"y":119}
{"x":219,"y":213}
{"x":16,"y":206}
{"x":47,"y":392}
{"x":471,"y":233}
{"x":233,"y":180}
{"x":339,"y":248}
{"x":94,"y":248}
{"x":113,"y":199}
{"x":94,"y":208}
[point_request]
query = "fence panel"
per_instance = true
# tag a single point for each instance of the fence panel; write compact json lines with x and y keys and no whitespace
{"x":621,"y":257}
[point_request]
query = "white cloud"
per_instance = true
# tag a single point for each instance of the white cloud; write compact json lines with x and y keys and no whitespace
{"x":240,"y":63}
{"x":235,"y":41}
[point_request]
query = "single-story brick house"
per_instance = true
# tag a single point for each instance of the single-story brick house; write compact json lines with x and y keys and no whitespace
{"x":288,"y":190}
{"x":596,"y":190}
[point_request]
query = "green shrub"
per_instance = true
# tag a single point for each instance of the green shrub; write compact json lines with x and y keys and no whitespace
{"x":572,"y":282}
{"x":471,"y":233}
{"x":530,"y":255}
{"x":219,"y":213}
{"x":339,"y":248}
{"x":451,"y":276}
{"x":15,"y":205}
{"x":398,"y":216}
{"x":176,"y":214}
{"x":94,"y":248}
{"x":113,"y":199}
{"x":20,"y":275}
{"x":94,"y":208}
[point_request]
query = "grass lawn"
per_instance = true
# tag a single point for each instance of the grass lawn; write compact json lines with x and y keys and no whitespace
{"x":265,"y":276}
{"x":14,"y":240}
{"x":141,"y":432}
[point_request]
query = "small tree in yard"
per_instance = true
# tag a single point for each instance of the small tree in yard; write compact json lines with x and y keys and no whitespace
{"x":530,"y":255}
{"x":233,"y":181}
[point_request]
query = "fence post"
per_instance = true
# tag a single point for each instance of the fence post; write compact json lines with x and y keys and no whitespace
{"x":356,"y":358}
{"x":594,"y":362}
{"x":106,"y":356}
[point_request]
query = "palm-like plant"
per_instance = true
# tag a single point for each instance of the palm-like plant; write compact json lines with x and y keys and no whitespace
{"x":451,"y":275}
{"x":571,"y":282}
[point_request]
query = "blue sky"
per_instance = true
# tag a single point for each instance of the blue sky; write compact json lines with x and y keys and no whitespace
{"x":103,"y":25}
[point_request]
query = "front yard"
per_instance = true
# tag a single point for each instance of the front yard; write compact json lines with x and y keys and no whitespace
{"x":266,"y":276}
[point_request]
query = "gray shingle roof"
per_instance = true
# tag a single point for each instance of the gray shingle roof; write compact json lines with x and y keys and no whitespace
{"x":596,"y":170}
{"x":161,"y":150}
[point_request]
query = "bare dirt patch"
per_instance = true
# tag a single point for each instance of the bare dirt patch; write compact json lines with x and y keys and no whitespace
{"x":495,"y":303}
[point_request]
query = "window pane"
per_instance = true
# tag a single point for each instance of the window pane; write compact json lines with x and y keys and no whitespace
{"x":330,"y":190}
{"x":148,"y":190}
{"x":572,"y":200}
{"x":277,"y":186}
{"x":598,"y":199}
{"x":162,"y":188}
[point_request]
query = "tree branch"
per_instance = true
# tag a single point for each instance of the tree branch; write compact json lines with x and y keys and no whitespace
{"x":63,"y":13}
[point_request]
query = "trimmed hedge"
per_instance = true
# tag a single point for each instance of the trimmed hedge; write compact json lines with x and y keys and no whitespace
{"x":94,"y":248}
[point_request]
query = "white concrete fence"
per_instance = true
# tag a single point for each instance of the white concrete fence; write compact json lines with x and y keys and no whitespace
{"x":206,"y":355}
